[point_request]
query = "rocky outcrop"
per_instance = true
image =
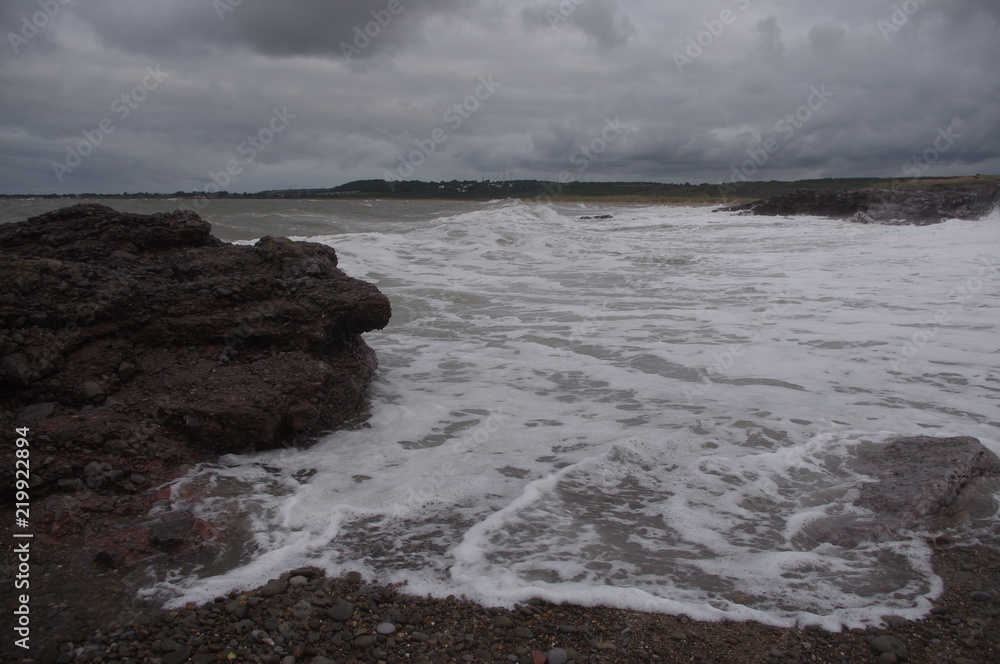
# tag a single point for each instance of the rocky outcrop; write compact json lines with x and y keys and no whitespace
{"x":914,"y":481}
{"x":130,"y":345}
{"x":901,"y":206}
{"x":921,"y":476}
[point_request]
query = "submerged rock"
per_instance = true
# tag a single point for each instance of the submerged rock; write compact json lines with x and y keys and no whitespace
{"x":914,"y":480}
{"x":920,"y":476}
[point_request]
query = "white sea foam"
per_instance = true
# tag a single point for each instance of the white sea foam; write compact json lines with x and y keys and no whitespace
{"x":653,"y":411}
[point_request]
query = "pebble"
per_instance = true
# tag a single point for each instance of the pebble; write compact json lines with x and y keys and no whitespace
{"x":981,"y":597}
{"x":341,"y":611}
{"x":273,"y":589}
{"x":38,"y":411}
{"x":557,"y":656}
{"x":178,"y":656}
{"x":888,"y":644}
{"x":382,"y":625}
{"x":364,"y":641}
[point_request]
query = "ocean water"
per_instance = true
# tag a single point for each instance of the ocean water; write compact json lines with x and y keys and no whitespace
{"x":654,"y":411}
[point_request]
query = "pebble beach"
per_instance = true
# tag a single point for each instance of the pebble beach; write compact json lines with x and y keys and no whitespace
{"x":304,"y":617}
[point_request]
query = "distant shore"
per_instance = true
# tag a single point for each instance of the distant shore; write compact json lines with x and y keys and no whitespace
{"x":648,"y":193}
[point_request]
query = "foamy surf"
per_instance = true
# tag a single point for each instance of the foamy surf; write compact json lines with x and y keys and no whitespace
{"x":654,"y":411}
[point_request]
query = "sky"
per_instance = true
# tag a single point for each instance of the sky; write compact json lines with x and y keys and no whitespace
{"x":113,"y":96}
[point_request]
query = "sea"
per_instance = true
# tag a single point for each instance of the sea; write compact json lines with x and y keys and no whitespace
{"x":661,"y":410}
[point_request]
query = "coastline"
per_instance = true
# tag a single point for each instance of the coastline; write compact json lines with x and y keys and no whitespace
{"x":86,"y":610}
{"x":73,"y":600}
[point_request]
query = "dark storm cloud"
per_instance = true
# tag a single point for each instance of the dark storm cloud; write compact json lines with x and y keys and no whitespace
{"x":373,"y":88}
{"x":287,"y":28}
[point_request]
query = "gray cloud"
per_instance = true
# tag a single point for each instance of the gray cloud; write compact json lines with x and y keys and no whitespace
{"x":602,"y":21}
{"x":368,"y":91}
{"x":769,"y":36}
{"x":286,"y":29}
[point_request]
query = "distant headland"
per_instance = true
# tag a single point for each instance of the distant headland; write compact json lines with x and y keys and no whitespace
{"x":729,"y":193}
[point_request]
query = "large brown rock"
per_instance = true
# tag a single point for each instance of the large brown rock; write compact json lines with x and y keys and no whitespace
{"x":919,"y":476}
{"x":125,"y":338}
{"x":917,"y":482}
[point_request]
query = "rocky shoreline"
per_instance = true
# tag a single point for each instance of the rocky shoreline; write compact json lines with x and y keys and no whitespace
{"x":305,"y":617}
{"x":901,"y":206}
{"x":132,"y":347}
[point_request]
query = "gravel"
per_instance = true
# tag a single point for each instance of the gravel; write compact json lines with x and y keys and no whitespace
{"x":304,"y":617}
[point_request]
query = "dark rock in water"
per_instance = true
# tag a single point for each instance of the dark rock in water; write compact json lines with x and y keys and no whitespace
{"x":921,"y":475}
{"x":171,"y":529}
{"x":903,"y":206}
{"x":148,"y":343}
{"x":599,"y":216}
{"x":915,"y":479}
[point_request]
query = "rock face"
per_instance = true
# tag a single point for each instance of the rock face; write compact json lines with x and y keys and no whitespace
{"x":897,"y":206}
{"x":134,"y":343}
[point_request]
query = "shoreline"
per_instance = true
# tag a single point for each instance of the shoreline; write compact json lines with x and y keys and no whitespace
{"x":90,"y":531}
{"x":597,"y":200}
{"x":86,"y":609}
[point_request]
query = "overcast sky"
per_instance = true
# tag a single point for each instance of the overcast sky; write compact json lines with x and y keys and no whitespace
{"x":111,"y":96}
